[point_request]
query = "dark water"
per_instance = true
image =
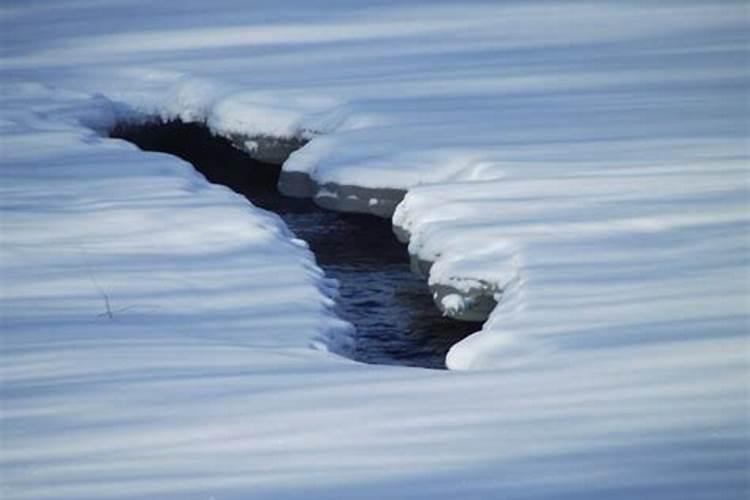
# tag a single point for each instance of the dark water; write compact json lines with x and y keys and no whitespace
{"x":396,"y":321}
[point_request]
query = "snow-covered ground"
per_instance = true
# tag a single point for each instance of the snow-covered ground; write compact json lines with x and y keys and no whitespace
{"x":585,"y":163}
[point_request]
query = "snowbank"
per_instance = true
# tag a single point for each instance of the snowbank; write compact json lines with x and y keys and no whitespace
{"x":634,"y":256}
{"x":582,"y":165}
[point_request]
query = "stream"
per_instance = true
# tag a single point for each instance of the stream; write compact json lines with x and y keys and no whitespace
{"x":391,"y":308}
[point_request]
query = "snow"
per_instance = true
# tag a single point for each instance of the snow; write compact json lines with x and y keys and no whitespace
{"x":585,"y":162}
{"x":453,"y":303}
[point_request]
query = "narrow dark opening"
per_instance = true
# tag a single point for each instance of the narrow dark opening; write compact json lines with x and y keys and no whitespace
{"x":396,"y":320}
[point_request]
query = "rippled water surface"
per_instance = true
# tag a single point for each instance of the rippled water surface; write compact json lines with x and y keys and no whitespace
{"x":396,"y":321}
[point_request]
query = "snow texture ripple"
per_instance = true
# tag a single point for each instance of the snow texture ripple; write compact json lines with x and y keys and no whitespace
{"x":585,"y":162}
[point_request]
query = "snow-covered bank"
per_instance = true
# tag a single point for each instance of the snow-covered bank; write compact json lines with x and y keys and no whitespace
{"x":587,"y":160}
{"x":116,"y":226}
{"x":600,"y":258}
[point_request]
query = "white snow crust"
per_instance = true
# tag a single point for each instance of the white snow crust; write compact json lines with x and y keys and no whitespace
{"x":589,"y":160}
